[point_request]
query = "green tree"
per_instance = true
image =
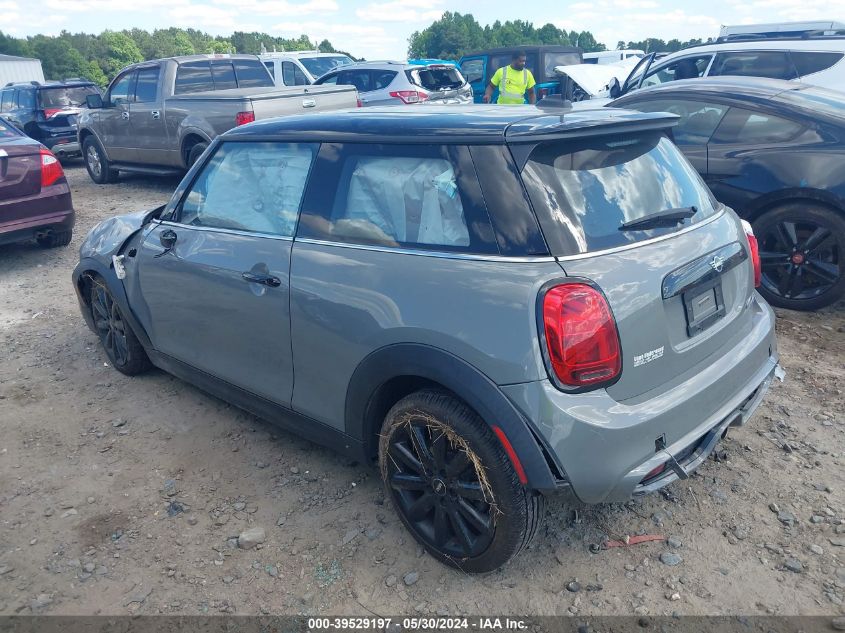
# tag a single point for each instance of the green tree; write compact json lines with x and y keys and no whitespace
{"x":448,"y":38}
{"x":13,"y":46}
{"x":115,"y":51}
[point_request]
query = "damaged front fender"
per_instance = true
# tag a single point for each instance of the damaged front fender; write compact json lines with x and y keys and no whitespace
{"x":107,"y":238}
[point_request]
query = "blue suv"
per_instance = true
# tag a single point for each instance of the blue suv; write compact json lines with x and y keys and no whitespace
{"x":47,"y":112}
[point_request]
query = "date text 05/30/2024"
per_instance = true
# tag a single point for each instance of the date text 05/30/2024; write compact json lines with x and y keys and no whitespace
{"x":416,"y":624}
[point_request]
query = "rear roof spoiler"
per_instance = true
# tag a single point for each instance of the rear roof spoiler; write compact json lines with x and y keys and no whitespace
{"x":579,"y":124}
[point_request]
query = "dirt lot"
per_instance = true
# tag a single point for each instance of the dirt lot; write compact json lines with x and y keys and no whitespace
{"x":121,"y":495}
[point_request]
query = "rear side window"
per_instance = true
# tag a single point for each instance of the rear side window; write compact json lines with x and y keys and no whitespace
{"x":424,"y":197}
{"x":251,"y":73}
{"x":26,"y":99}
{"x":382,"y":78}
{"x":583,"y":191}
{"x":436,"y":78}
{"x":698,"y":120}
{"x":146,"y":87}
{"x":747,"y":127}
{"x":809,"y":62}
{"x":271,"y":68}
{"x":361,"y":79}
{"x":292,"y":75}
{"x":193,"y":77}
{"x":497,"y":61}
{"x":771,"y":64}
{"x":255,"y":187}
{"x":223,"y":75}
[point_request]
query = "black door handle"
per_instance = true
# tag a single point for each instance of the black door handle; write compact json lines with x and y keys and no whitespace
{"x":259,"y":278}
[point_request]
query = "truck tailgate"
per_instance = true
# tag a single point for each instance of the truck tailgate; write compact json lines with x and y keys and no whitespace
{"x":300,"y":101}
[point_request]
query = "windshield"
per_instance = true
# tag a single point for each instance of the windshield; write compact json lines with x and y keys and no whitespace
{"x":436,"y":78}
{"x":62,"y":97}
{"x":584,"y":191}
{"x":318,"y":66}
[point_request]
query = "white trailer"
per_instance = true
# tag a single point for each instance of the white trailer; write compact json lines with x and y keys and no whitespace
{"x":16,"y":69}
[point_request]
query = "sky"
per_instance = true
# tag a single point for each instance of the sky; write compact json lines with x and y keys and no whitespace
{"x":379,"y":29}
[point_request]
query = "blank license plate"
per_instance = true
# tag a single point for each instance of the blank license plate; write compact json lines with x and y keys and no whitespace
{"x":704,"y":306}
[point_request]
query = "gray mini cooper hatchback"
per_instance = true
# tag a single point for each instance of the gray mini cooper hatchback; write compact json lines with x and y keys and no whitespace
{"x":492,"y":303}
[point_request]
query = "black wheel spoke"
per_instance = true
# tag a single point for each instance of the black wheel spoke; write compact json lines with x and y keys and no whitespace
{"x":438,"y":450}
{"x":402,"y":481}
{"x":786,"y":234}
{"x":818,"y":237}
{"x":101,"y":324}
{"x":404,"y":454}
{"x":468,"y":490}
{"x":418,"y":510}
{"x":458,"y":464}
{"x":769,"y":259}
{"x":441,"y":526}
{"x":825,"y":272}
{"x":420,"y":440}
{"x":461,"y":530}
{"x":121,"y":353}
{"x":475,"y":518}
{"x":100,"y":309}
{"x":791,"y":284}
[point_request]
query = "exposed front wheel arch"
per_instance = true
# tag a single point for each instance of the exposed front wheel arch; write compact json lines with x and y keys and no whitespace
{"x":189,"y":155}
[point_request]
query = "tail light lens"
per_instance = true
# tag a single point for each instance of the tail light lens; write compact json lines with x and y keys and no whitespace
{"x":581,"y":335}
{"x":543,"y":93}
{"x":242,"y":118}
{"x":51,"y":168}
{"x":48,"y":112}
{"x":360,"y":103}
{"x":409,"y":96}
{"x":754,"y":247}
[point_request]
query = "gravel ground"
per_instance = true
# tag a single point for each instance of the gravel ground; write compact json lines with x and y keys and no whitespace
{"x":122,"y":495}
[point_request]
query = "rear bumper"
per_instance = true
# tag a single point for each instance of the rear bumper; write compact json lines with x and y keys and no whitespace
{"x":71,"y":148}
{"x":49,"y":210}
{"x":607,"y":448}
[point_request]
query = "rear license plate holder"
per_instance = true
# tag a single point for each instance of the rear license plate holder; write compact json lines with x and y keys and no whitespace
{"x":704,"y":305}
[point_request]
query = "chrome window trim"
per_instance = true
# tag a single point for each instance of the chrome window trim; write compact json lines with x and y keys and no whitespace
{"x":425,"y":253}
{"x":215,"y":229}
{"x":653,"y":240}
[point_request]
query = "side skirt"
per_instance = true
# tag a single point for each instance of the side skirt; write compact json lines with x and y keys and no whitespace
{"x":272,"y":412}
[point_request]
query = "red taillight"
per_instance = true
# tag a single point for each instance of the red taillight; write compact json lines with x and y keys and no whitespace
{"x":581,"y":335}
{"x":409,"y":96}
{"x":360,"y":103}
{"x":543,"y":93}
{"x":654,"y":472}
{"x":51,"y":168}
{"x":242,"y":118}
{"x":48,"y":112}
{"x":754,"y":247}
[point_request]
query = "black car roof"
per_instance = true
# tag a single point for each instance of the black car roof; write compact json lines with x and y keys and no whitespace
{"x":450,"y":124}
{"x":746,"y":89}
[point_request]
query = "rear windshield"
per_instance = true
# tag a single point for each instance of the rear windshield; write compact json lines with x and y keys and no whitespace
{"x":62,"y":97}
{"x":318,"y":66}
{"x":194,"y":77}
{"x":7,"y":131}
{"x":583,"y":191}
{"x":436,"y":78}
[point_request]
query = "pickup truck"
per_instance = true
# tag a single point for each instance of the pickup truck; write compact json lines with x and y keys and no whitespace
{"x":159,"y":116}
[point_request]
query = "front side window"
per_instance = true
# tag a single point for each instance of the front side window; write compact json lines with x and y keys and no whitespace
{"x":771,"y":64}
{"x":292,"y":75}
{"x":330,"y":80}
{"x":473,"y":70}
{"x":251,"y":73}
{"x":193,"y":77}
{"x":121,"y":89}
{"x":398,"y":196}
{"x":255,"y":187}
{"x":584,"y":191}
{"x":146,"y":88}
{"x":747,"y":127}
{"x":7,"y":100}
{"x":698,"y":120}
{"x":686,"y":68}
{"x":321,"y":65}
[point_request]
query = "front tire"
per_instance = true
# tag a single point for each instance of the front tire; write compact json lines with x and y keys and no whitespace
{"x":195,"y":153}
{"x":96,"y":162}
{"x":452,"y":483}
{"x":802,"y":246}
{"x":123,"y":348}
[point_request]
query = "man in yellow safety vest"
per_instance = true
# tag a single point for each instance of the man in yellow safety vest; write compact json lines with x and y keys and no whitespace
{"x":513,"y":82}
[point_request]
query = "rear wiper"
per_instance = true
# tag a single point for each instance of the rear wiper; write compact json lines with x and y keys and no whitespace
{"x":668,"y":217}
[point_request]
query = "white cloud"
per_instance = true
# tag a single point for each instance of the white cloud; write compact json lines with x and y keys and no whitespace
{"x":368,"y":40}
{"x":766,"y":11}
{"x":82,"y":6}
{"x":276,"y":8}
{"x":401,"y":11}
{"x":9,"y":8}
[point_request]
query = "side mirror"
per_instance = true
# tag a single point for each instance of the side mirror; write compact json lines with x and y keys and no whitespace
{"x":94,"y":101}
{"x":614,"y":89}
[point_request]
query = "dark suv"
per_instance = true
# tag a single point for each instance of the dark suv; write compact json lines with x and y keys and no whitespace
{"x":494,"y":303}
{"x":47,"y":112}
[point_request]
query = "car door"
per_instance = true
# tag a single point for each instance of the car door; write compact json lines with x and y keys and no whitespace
{"x":115,"y":126}
{"x":146,"y":118}
{"x":215,"y":273}
{"x":699,"y":119}
{"x":474,"y":69}
{"x":735,"y":171}
{"x":686,"y":67}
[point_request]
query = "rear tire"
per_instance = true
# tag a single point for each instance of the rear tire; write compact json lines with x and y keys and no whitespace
{"x":123,"y":348}
{"x":55,"y":239}
{"x":802,"y":246}
{"x":96,"y":162}
{"x":452,"y":484}
{"x":195,"y":153}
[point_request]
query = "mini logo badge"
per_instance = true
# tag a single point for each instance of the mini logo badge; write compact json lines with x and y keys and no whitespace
{"x":654,"y":354}
{"x":717,"y":263}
